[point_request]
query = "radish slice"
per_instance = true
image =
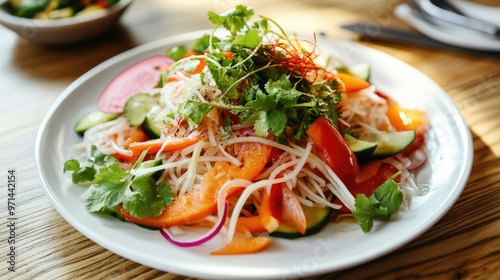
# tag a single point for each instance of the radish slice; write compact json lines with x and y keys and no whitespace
{"x":202,"y":239}
{"x":140,"y":77}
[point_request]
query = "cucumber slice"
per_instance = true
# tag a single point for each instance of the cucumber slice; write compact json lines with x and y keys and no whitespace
{"x":93,"y":119}
{"x":113,"y":212}
{"x":389,"y":143}
{"x":316,"y":219}
{"x":361,"y":70}
{"x":363,"y":150}
{"x":152,"y":163}
{"x":137,"y":107}
{"x":151,"y":130}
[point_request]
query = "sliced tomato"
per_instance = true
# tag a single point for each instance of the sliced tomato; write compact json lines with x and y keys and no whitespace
{"x":334,"y":151}
{"x":140,"y":77}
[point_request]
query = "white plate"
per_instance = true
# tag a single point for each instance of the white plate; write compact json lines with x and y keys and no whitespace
{"x":449,"y":33}
{"x":337,"y":247}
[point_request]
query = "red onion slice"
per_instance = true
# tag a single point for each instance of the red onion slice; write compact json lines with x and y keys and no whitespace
{"x":202,"y":239}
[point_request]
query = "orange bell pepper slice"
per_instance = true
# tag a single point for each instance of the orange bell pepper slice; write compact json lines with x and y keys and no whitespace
{"x":404,"y":119}
{"x":250,"y":224}
{"x":254,"y":157}
{"x":270,"y":210}
{"x":244,"y":245}
{"x":185,"y":209}
{"x":352,"y":83}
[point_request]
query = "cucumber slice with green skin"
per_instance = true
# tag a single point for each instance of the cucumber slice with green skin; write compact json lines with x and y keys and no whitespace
{"x":316,"y":219}
{"x":137,"y":107}
{"x":150,"y":128}
{"x":93,"y":119}
{"x":152,"y":163}
{"x":389,"y":144}
{"x":113,"y":212}
{"x":363,"y":150}
{"x":361,"y":70}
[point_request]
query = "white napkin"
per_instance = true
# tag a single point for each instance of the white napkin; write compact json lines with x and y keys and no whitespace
{"x":455,"y":35}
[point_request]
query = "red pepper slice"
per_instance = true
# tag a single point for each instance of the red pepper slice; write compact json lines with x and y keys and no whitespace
{"x":334,"y":151}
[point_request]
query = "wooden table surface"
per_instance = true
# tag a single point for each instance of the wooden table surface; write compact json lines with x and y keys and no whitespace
{"x":464,"y":244}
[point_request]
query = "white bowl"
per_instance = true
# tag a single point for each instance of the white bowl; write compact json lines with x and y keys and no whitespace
{"x":66,"y":30}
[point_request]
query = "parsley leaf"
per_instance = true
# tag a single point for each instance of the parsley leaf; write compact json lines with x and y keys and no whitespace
{"x":382,"y":204}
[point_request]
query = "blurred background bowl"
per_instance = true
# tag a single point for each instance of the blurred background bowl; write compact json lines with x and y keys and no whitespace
{"x":64,"y":31}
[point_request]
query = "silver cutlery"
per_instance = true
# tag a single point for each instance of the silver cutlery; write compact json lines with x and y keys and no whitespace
{"x":386,"y":34}
{"x":437,"y":14}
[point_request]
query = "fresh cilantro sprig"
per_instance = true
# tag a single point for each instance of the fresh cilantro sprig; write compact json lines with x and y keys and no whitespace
{"x":139,"y":195}
{"x":84,"y":169}
{"x":382,"y":204}
{"x":233,"y":21}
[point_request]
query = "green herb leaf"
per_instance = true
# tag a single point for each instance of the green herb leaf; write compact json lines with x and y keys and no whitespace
{"x":108,"y":191}
{"x":250,"y":39}
{"x":80,"y":174}
{"x":276,"y":121}
{"x":234,"y":21}
{"x":227,"y":128}
{"x":140,"y":196}
{"x":145,"y":199}
{"x":84,"y":169}
{"x":261,"y":126}
{"x":262,"y":101}
{"x":194,"y":110}
{"x":382,"y":204}
{"x":177,"y":52}
{"x":283,"y":91}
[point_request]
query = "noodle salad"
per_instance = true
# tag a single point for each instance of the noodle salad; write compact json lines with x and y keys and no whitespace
{"x":253,"y":135}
